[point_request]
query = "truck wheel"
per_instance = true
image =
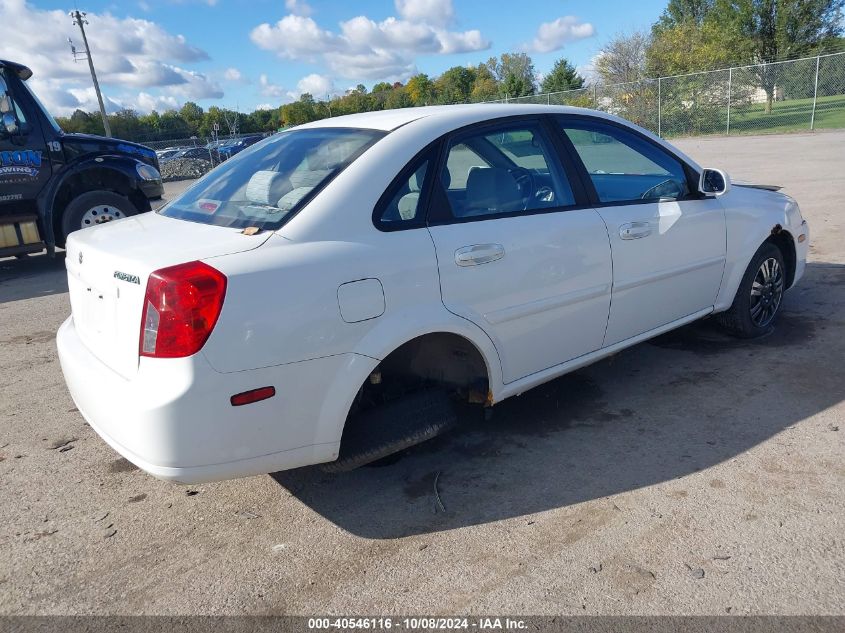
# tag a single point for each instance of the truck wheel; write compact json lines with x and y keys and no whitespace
{"x":95,"y":207}
{"x":758,"y":298}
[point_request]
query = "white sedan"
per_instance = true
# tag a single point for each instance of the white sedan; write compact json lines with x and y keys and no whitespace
{"x":330,"y":293}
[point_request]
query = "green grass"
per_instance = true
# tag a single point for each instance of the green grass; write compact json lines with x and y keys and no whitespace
{"x":792,"y":115}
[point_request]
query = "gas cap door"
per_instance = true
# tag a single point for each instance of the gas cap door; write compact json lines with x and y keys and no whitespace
{"x":360,"y":300}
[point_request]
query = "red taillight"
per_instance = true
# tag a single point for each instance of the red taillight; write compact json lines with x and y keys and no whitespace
{"x":180,"y":309}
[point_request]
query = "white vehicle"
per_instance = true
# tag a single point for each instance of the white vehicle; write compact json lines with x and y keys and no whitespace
{"x":328,"y":293}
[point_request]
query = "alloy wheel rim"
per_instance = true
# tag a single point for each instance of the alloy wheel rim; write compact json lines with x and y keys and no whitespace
{"x":766,"y":292}
{"x":101,"y":214}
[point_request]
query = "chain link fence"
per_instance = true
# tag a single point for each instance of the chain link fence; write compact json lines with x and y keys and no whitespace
{"x":193,"y":141}
{"x":788,"y":96}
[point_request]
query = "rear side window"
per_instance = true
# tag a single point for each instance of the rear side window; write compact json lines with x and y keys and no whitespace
{"x":268,"y":184}
{"x":623,"y":167}
{"x":404,"y":207}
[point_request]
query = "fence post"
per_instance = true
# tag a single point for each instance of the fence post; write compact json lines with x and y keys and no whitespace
{"x":659,"y":110}
{"x":730,"y":81}
{"x":815,"y":94}
{"x":548,"y":98}
{"x":595,"y":98}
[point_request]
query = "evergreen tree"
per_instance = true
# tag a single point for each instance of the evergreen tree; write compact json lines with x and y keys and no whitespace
{"x":563,"y":76}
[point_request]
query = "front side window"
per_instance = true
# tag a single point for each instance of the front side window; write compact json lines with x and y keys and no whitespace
{"x":504,"y":171}
{"x":47,"y":116}
{"x":265,"y":186}
{"x":624,"y":167}
{"x":12,"y":105}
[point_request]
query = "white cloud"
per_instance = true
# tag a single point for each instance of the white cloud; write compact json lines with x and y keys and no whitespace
{"x":232,"y":74}
{"x":269,"y":89}
{"x":466,"y":42}
{"x":195,"y":86}
{"x":318,"y":86}
{"x":86,"y":99}
{"x":294,"y":37}
{"x":298,"y":7}
{"x":552,"y":36}
{"x":361,"y":33}
{"x":265,"y":106}
{"x":376,"y":64}
{"x":439,"y":12}
{"x":130,"y":54}
{"x":366,"y":49}
{"x":147,"y":102}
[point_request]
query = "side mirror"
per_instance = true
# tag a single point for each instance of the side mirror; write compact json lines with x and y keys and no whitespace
{"x":714,"y":182}
{"x":5,"y":102}
{"x":10,"y":124}
{"x":7,"y":111}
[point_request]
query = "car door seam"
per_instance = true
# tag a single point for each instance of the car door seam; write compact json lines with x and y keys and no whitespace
{"x":612,"y":276}
{"x":443,"y":303}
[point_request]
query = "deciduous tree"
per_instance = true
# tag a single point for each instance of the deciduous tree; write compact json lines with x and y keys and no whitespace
{"x":420,"y":88}
{"x":623,"y":59}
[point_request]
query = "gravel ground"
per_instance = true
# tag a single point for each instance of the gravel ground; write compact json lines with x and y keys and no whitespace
{"x":694,"y":474}
{"x":184,"y":169}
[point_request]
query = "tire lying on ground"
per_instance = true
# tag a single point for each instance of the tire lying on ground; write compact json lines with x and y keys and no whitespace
{"x":392,"y":427}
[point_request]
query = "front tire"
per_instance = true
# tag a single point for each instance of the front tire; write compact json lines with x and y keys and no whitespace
{"x":95,"y":207}
{"x":759,"y":297}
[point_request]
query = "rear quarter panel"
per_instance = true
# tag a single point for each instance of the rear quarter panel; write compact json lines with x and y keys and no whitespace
{"x":282,"y":301}
{"x":281,"y":308}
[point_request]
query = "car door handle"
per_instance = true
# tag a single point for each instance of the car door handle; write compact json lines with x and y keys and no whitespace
{"x":634,"y":230}
{"x":479,"y":254}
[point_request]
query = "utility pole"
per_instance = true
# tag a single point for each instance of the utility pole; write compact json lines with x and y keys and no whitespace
{"x":79,"y":20}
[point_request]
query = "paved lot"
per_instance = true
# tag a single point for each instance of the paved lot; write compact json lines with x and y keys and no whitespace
{"x":691,"y":474}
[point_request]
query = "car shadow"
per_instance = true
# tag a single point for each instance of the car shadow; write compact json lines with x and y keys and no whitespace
{"x":649,"y":415}
{"x":31,"y":276}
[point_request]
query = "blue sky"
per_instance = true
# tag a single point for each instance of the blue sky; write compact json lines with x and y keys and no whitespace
{"x":161,"y":53}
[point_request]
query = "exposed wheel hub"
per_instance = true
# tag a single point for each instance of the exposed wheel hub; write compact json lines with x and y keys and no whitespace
{"x":101,"y":214}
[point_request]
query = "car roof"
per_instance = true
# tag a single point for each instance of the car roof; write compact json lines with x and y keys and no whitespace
{"x":388,"y":120}
{"x":451,"y":117}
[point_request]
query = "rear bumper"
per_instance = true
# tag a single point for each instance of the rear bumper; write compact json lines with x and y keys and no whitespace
{"x":174,"y":419}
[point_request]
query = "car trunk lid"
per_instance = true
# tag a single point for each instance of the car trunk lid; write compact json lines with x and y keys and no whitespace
{"x":108,"y":267}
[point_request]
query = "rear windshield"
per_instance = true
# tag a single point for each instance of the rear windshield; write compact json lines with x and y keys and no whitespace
{"x":268,"y":183}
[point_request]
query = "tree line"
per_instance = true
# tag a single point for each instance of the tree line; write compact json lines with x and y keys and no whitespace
{"x":689,"y":36}
{"x":512,"y":74}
